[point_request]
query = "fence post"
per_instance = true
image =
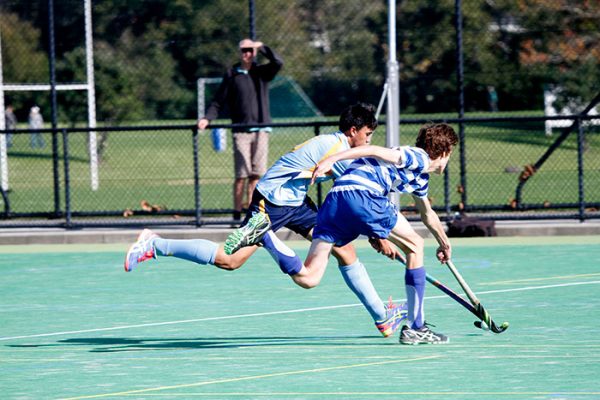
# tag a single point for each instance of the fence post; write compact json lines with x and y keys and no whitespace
{"x":53,"y":105}
{"x":197,"y":203}
{"x":66,"y":166}
{"x":252,"y":18}
{"x":580,"y":149}
{"x":461,"y":101}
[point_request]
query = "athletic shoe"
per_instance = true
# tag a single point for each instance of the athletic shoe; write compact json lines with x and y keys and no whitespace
{"x":249,"y":234}
{"x":423,"y":335}
{"x":141,"y":250}
{"x":396,"y":313}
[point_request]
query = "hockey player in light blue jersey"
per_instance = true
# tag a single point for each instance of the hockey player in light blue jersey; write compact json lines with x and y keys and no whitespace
{"x":281,"y":197}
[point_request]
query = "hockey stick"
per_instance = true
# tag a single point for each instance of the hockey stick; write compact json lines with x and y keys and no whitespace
{"x":475,"y":310}
{"x":482,"y":313}
{"x":451,"y":293}
{"x":448,"y":291}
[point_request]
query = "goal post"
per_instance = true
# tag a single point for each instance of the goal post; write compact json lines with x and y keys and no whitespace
{"x":88,"y":86}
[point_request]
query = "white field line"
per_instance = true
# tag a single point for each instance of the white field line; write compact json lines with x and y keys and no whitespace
{"x":187,"y":321}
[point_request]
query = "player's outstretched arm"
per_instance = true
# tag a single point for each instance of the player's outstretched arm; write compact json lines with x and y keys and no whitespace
{"x":383,"y":153}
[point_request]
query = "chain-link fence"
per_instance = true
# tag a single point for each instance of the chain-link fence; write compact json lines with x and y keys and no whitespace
{"x":495,"y":70}
{"x":174,"y":175}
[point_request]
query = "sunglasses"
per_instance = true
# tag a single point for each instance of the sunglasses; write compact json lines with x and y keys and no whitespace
{"x":247,"y":50}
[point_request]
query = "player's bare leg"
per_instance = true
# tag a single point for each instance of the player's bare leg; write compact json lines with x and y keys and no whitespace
{"x":412,"y":244}
{"x":314,"y":266}
{"x":149,"y":245}
{"x":235,"y":260}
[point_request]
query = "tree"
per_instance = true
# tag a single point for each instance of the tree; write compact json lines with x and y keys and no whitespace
{"x":343,"y":54}
{"x":149,"y":53}
{"x":134,"y":81}
{"x":561,"y":43}
{"x":23,"y":61}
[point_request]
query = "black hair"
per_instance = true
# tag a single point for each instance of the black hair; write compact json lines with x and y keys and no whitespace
{"x":358,"y":116}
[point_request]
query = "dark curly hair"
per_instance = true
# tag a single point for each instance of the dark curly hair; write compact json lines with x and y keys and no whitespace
{"x":436,"y":139}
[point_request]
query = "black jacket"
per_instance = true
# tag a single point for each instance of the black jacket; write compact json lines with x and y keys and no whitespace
{"x":247,"y":92}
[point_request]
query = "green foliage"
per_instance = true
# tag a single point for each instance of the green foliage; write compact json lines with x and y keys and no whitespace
{"x":343,"y":62}
{"x":122,"y":92}
{"x":149,"y":53}
{"x":23,"y":60}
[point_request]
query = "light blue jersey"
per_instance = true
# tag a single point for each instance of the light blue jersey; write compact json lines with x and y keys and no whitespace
{"x":380,"y":177}
{"x":288,"y":180}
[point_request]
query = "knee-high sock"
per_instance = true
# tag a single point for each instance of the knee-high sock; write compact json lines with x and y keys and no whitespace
{"x":285,"y":257}
{"x":197,"y":250}
{"x":415,"y":293}
{"x":358,"y":281}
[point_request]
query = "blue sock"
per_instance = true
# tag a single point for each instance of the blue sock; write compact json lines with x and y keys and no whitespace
{"x":285,"y":257}
{"x":358,"y":281}
{"x":415,"y":293}
{"x":197,"y":250}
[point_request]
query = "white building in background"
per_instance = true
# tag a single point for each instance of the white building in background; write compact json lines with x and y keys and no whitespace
{"x":574,"y":107}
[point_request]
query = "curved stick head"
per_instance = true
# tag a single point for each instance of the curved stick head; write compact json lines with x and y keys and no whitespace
{"x":499,"y":329}
{"x":492,"y":327}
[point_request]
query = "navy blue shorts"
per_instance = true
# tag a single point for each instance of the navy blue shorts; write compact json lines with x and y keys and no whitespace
{"x":345,"y":215}
{"x":300,"y":219}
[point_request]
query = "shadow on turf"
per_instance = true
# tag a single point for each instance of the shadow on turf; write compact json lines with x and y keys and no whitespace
{"x":108,"y":345}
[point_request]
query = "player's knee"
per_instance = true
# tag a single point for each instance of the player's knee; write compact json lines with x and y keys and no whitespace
{"x":232,"y":266}
{"x":228,"y":266}
{"x":416,"y":244}
{"x":420,"y":243}
{"x":305,"y":282}
{"x":228,"y":263}
{"x":345,"y":255}
{"x":345,"y":258}
{"x":309,"y":285}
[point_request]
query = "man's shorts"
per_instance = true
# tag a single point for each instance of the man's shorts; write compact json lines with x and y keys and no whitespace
{"x":300,"y":219}
{"x":250,"y":153}
{"x":345,"y":215}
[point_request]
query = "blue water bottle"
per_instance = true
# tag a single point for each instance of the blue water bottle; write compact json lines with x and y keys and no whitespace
{"x":219,"y":139}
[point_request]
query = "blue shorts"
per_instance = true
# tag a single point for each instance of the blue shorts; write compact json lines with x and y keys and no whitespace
{"x":345,"y":215}
{"x":300,"y":219}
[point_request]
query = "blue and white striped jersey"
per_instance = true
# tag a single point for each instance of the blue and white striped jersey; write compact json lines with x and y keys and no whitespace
{"x":380,"y":177}
{"x":288,"y":180}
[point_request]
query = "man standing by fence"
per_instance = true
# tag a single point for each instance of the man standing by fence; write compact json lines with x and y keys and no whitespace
{"x":245,"y":89}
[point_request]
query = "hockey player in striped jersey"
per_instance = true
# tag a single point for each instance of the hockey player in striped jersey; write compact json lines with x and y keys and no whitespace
{"x":358,"y":205}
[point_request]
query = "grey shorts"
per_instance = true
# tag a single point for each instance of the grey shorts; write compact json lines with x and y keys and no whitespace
{"x":250,"y":153}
